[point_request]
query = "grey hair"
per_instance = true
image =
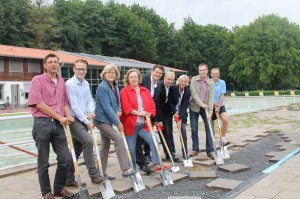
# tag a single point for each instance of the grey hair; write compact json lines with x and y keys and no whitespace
{"x":183,"y":76}
{"x":108,"y":68}
{"x":169,"y":73}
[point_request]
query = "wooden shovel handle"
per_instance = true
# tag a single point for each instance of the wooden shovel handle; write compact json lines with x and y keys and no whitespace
{"x":70,"y":142}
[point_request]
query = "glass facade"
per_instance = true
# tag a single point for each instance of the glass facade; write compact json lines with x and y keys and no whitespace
{"x":93,"y":75}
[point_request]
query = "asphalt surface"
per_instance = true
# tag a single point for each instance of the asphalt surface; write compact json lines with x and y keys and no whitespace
{"x":252,"y":155}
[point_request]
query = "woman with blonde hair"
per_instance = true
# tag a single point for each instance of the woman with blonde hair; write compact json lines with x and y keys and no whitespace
{"x":107,"y":112}
{"x":137,"y":103}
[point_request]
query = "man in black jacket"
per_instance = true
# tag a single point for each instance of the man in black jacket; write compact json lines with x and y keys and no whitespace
{"x":150,"y":82}
{"x":165,"y":109}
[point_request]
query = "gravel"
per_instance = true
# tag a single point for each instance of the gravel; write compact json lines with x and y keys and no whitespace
{"x":252,"y":155}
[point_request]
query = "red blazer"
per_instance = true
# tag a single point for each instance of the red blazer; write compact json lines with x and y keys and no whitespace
{"x":129,"y":102}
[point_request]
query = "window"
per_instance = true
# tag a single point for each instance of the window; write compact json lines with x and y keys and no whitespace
{"x":34,"y":66}
{"x":1,"y":65}
{"x":15,"y":65}
{"x":26,"y":89}
{"x":1,"y":91}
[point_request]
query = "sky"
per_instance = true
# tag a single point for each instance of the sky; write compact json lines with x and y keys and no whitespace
{"x":227,"y":13}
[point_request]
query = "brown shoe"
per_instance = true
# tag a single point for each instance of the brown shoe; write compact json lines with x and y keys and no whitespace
{"x":49,"y":195}
{"x":210,"y":155}
{"x":74,"y":184}
{"x":98,"y":179}
{"x":193,"y":154}
{"x":65,"y":194}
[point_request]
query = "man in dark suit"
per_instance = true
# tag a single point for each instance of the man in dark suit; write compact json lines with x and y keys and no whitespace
{"x":150,"y":82}
{"x":165,"y":109}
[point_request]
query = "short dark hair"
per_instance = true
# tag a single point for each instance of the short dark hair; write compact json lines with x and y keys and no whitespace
{"x":159,"y":66}
{"x":50,"y":55}
{"x":81,"y":61}
{"x":203,"y":64}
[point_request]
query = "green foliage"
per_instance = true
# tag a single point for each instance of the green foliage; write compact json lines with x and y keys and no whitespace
{"x":266,"y":53}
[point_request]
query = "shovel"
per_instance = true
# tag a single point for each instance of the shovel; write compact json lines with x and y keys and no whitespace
{"x":216,"y":154}
{"x":187,"y":162}
{"x":223,"y":149}
{"x":136,"y":179}
{"x":165,"y":176}
{"x":83,"y":193}
{"x":173,"y":168}
{"x":106,"y":188}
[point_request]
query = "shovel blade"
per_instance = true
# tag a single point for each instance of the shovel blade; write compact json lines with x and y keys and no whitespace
{"x":107,"y":190}
{"x":175,"y":169}
{"x":225,"y":153}
{"x":82,"y":194}
{"x":137,"y":182}
{"x":190,"y":163}
{"x":218,"y":158}
{"x":166,"y":177}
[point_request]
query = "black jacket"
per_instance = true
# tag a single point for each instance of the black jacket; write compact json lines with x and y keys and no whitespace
{"x":184,"y":101}
{"x":163,"y":108}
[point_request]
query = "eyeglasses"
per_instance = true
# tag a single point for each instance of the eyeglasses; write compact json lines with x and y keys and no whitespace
{"x":80,"y":69}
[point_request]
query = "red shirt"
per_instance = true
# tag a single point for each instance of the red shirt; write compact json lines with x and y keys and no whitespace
{"x":43,"y":90}
{"x":129,"y":102}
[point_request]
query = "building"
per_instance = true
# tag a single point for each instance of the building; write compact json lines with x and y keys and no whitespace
{"x":18,"y":65}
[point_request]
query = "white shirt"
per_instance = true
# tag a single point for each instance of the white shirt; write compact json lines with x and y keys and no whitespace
{"x":153,"y":86}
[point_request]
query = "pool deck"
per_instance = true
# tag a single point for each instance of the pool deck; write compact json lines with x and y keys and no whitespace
{"x":283,"y":182}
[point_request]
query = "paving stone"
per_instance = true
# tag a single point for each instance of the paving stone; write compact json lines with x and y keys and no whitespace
{"x":122,"y":186}
{"x":234,"y":168}
{"x":253,"y":139}
{"x":184,"y":197}
{"x":205,"y":162}
{"x":240,"y":144}
{"x":194,"y":175}
{"x":272,"y":153}
{"x":288,"y":194}
{"x":262,"y":134}
{"x":176,"y":177}
{"x":224,"y":184}
{"x":151,"y":182}
{"x":286,"y":185}
{"x":280,"y":144}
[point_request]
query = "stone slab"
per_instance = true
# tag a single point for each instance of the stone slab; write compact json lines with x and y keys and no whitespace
{"x":176,"y":177}
{"x":240,"y":144}
{"x":184,"y":197}
{"x":122,"y":186}
{"x":204,"y":162}
{"x":234,"y":168}
{"x":194,"y":175}
{"x":272,"y":153}
{"x":252,"y":139}
{"x":222,"y":183}
{"x":150,"y":182}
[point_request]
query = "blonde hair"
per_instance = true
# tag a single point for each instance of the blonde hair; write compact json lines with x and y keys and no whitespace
{"x":108,"y":68}
{"x":126,"y":78}
{"x":170,"y":73}
{"x":183,"y":76}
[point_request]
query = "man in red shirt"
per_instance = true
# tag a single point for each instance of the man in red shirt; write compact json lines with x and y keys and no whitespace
{"x":49,"y":107}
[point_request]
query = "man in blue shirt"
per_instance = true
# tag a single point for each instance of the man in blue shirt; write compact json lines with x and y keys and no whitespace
{"x":219,"y":108}
{"x":82,"y":109}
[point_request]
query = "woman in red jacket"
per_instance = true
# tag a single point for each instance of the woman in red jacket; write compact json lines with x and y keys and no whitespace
{"x":136,"y":104}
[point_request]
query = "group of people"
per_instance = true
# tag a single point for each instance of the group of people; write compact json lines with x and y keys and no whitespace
{"x":55,"y":103}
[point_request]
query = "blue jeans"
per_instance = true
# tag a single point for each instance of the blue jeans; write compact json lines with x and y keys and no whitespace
{"x":131,"y":141}
{"x":194,"y":116}
{"x":44,"y":132}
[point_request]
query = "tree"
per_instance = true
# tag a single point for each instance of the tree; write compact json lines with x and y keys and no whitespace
{"x":266,"y":53}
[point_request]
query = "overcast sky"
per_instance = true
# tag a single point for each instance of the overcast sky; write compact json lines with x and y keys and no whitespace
{"x":226,"y":13}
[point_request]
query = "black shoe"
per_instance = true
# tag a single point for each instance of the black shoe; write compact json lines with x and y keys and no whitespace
{"x":127,"y":173}
{"x":174,"y":157}
{"x":148,"y":158}
{"x":110,"y":177}
{"x":146,"y":169}
{"x":98,"y":179}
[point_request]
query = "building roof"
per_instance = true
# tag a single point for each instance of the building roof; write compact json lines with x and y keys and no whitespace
{"x":118,"y":61}
{"x":33,"y":53}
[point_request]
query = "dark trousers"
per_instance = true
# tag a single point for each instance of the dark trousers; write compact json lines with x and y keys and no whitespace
{"x":44,"y":132}
{"x":82,"y":142}
{"x":140,"y":158}
{"x":168,"y":134}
